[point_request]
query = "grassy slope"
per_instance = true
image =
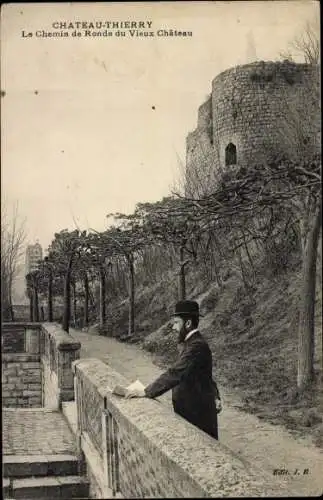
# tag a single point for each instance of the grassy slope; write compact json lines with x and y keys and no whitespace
{"x":253,"y":339}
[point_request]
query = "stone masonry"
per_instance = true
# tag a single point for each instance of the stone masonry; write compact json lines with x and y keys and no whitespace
{"x":58,"y":350}
{"x":21,"y":380}
{"x":41,"y":375}
{"x":260,"y":109}
{"x":149,"y":452}
{"x":12,"y":338}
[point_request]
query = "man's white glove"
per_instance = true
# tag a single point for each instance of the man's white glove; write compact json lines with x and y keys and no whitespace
{"x":218,"y":405}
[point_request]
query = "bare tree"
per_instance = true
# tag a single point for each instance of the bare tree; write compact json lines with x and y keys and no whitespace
{"x":180,"y":232}
{"x":303,"y":133}
{"x":13,"y":237}
{"x":306,"y":45}
{"x":34,"y":284}
{"x":64,"y":251}
{"x":279,"y":184}
{"x":126,"y":240}
{"x":294,"y":186}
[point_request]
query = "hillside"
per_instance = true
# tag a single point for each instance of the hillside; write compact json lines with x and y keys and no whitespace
{"x":253,"y":338}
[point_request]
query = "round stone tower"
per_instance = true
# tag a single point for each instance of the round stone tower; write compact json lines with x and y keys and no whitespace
{"x":254,"y":111}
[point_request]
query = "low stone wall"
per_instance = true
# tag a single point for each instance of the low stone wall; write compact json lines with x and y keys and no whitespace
{"x":21,"y":380}
{"x":139,"y":449}
{"x":49,"y":352}
{"x":13,"y":337}
{"x":58,"y":350}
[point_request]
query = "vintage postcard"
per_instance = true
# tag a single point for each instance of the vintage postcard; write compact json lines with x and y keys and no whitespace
{"x":160,"y":236}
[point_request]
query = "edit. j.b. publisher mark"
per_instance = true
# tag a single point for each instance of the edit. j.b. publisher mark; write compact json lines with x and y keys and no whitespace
{"x":295,"y":472}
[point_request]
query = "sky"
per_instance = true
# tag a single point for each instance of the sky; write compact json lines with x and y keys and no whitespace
{"x":94,"y":125}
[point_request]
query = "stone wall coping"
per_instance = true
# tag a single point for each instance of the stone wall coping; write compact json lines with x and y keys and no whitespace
{"x":262,"y":65}
{"x":19,"y":357}
{"x":63,"y":340}
{"x":211,"y":467}
{"x":22,"y":324}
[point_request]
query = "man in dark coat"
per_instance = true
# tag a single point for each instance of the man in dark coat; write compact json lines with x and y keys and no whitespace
{"x":194,"y":392}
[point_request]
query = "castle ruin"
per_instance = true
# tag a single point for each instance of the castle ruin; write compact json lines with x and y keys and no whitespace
{"x":254,"y":111}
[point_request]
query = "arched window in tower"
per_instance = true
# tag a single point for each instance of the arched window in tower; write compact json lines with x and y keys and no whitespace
{"x":230,"y":154}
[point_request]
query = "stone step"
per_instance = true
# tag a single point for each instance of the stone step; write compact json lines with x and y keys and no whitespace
{"x":17,"y":466}
{"x":63,"y":487}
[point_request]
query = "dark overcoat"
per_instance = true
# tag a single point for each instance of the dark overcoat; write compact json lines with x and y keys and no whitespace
{"x":193,"y":388}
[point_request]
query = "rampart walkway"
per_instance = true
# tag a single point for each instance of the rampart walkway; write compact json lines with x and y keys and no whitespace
{"x":36,"y":431}
{"x":41,"y":457}
{"x":264,"y":446}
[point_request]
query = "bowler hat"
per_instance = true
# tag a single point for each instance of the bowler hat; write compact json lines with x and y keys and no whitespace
{"x":187,"y":308}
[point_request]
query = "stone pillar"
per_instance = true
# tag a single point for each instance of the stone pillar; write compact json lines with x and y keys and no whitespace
{"x":32,"y":341}
{"x":59,"y":352}
{"x":67,"y":354}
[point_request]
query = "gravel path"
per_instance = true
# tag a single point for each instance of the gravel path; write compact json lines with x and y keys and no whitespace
{"x":264,"y":446}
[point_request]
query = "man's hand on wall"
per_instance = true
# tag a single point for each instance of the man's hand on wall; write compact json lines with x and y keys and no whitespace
{"x":135,"y":393}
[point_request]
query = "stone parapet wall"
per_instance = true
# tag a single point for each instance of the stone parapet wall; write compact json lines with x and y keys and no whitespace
{"x":13,"y":336}
{"x":21,"y":312}
{"x":95,"y":489}
{"x":58,"y":350}
{"x":149,"y":452}
{"x":21,"y":381}
{"x":53,"y":351}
